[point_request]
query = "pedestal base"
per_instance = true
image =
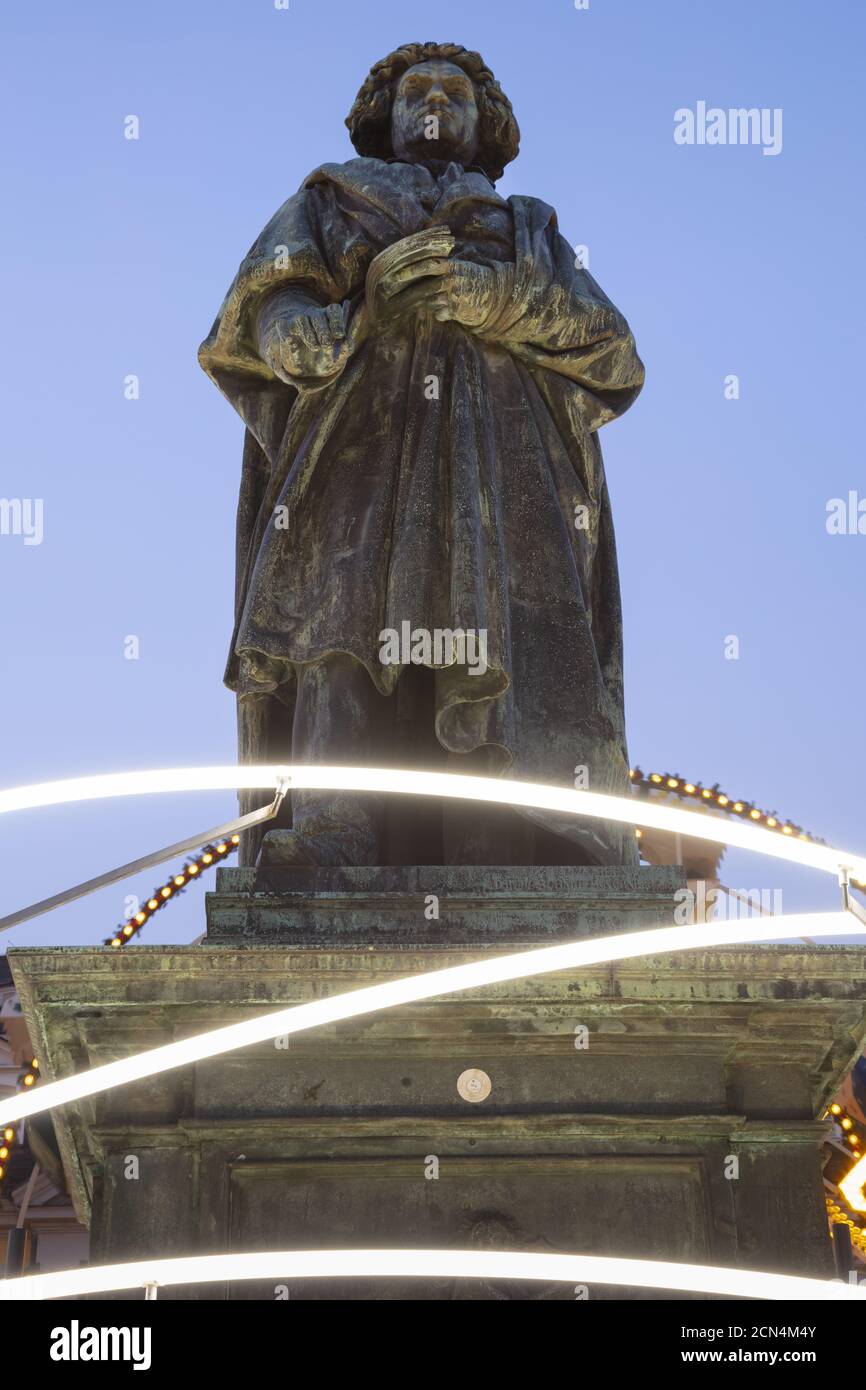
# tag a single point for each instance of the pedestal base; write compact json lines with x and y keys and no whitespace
{"x":662,"y":1107}
{"x":407,"y":908}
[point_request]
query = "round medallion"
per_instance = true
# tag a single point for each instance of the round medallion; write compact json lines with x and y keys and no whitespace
{"x":474,"y":1085}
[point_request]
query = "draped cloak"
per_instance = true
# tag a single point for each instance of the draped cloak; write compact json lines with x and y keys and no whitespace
{"x":447,"y":477}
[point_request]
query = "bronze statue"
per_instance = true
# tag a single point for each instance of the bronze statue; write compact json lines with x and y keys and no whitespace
{"x":426,"y":568}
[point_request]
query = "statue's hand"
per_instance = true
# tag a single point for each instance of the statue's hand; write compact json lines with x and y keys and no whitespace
{"x":308,"y":342}
{"x":465,"y":294}
{"x":406,"y":276}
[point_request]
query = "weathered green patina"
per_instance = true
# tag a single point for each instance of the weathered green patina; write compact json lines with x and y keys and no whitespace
{"x":422,"y":368}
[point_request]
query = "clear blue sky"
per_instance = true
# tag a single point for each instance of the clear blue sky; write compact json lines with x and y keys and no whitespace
{"x":115,"y":257}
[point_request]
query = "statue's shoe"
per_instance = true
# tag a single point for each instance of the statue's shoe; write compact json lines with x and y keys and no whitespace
{"x":284,"y":848}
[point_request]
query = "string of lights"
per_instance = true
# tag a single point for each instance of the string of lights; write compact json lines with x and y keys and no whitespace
{"x":167,"y":892}
{"x":9,"y":1138}
{"x":850,"y":1186}
{"x":674,"y":784}
{"x":842,"y":1118}
{"x":6,"y":1147}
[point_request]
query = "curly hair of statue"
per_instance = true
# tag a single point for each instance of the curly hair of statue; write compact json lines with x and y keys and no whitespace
{"x":369,"y":120}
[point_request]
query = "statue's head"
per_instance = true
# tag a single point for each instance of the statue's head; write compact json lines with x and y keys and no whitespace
{"x":435,"y":101}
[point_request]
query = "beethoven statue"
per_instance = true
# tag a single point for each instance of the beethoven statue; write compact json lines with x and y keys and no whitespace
{"x":426,"y":568}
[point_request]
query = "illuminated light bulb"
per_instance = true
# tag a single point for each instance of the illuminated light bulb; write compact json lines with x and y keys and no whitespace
{"x":29,"y":1079}
{"x":221,"y":849}
{"x":835,"y":1109}
{"x":772,"y":822}
{"x":140,"y":917}
{"x":672,"y":782}
{"x":786,"y":830}
{"x":638,"y":834}
{"x":207,"y":859}
{"x":236,"y":839}
{"x":153,"y":904}
{"x":738,"y":806}
{"x":706,"y":793}
{"x":4,"y":1152}
{"x":2,"y":1170}
{"x":115,"y":941}
{"x":756,"y":815}
{"x":654,"y":777}
{"x":9,"y":1134}
{"x":34,"y":1064}
{"x":193,"y":869}
{"x":179,"y":880}
{"x":689,"y":789}
{"x":165,"y":892}
{"x":723,"y":801}
{"x":127,"y":931}
{"x":631,"y":773}
{"x":847,"y":1124}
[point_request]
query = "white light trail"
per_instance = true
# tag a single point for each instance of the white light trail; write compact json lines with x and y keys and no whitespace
{"x":278,"y":1265}
{"x":432,"y":1263}
{"x":453,"y":979}
{"x":564,"y":800}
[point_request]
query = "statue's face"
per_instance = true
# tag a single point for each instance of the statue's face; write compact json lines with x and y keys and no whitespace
{"x":435,"y":114}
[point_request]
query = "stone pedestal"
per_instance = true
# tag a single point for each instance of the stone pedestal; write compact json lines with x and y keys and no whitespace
{"x":406,"y":908}
{"x":620,"y":1094}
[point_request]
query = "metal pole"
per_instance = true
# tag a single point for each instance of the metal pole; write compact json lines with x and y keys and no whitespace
{"x":158,"y":856}
{"x":850,"y":904}
{"x":762,"y":911}
{"x":17,"y":1237}
{"x":28,"y":1193}
{"x":842,"y":1252}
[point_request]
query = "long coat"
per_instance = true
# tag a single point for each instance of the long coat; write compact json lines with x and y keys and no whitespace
{"x":446,"y":477}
